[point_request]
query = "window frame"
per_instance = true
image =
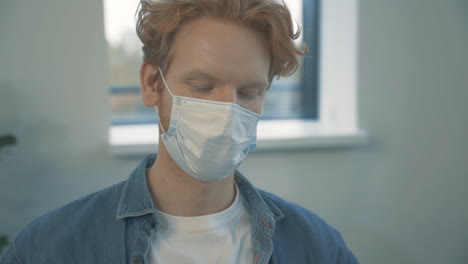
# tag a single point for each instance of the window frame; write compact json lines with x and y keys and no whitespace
{"x":337,"y":123}
{"x":308,"y":84}
{"x":310,"y":75}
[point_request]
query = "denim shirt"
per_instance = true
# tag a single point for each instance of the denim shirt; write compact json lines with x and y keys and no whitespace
{"x":116,"y":224}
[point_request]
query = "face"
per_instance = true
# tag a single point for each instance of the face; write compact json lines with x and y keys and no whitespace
{"x":212,"y":60}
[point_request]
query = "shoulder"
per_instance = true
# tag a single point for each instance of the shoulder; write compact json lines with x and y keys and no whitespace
{"x":65,"y":228}
{"x":300,"y":232}
{"x":97,"y":207}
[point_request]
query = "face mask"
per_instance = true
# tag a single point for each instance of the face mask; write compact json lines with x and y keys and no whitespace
{"x":208,"y":139}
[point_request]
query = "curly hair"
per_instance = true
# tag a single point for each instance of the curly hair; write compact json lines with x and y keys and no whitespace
{"x":158,"y":21}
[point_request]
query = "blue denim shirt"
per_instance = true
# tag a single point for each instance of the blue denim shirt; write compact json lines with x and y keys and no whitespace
{"x":116,"y":224}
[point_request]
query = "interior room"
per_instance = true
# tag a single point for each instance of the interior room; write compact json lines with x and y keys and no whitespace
{"x":384,"y":161}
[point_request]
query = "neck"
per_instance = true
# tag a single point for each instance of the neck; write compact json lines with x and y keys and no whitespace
{"x":176,"y":193}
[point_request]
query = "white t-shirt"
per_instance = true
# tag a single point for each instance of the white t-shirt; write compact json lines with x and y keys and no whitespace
{"x":224,"y":237}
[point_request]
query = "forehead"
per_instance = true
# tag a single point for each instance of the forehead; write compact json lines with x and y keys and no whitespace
{"x":226,"y":49}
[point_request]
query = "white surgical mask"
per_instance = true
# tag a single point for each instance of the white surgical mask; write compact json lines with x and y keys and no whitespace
{"x":208,"y":139}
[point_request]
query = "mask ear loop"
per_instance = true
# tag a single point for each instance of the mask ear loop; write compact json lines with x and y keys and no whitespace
{"x":164,"y":81}
{"x":167,"y":88}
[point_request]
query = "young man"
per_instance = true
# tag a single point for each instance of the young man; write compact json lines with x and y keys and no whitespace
{"x":207,"y":67}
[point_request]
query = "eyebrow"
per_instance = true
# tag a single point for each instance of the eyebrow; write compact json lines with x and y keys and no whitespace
{"x":197,"y":74}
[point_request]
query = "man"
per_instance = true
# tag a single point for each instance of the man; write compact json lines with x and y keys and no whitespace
{"x":207,"y":67}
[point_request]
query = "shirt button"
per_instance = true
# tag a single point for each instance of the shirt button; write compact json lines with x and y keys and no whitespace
{"x":137,"y":260}
{"x":265,"y":222}
{"x":257,"y":257}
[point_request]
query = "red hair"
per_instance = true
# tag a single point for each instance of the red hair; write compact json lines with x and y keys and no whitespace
{"x":159,"y":21}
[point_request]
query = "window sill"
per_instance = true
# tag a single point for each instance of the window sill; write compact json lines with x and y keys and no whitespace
{"x":272,"y":135}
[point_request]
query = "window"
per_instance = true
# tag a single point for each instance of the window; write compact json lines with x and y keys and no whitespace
{"x":297,"y":114}
{"x":289,"y":98}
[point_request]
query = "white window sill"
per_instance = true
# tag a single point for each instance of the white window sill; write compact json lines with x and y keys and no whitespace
{"x":275,"y":135}
{"x":338,"y":98}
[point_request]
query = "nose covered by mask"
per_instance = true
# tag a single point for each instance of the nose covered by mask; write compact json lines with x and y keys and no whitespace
{"x":208,"y":139}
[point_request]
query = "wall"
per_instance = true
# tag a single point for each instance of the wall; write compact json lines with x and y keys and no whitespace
{"x":398,"y":200}
{"x":53,"y":96}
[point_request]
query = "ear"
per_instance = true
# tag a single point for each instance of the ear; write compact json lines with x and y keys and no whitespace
{"x":150,"y":93}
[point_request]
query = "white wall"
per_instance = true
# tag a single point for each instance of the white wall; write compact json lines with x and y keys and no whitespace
{"x":399,"y":200}
{"x":53,"y":96}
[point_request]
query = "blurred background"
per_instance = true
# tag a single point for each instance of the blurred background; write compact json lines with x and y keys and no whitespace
{"x":401,"y":198}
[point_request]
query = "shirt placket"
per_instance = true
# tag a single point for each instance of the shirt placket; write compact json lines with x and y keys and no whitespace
{"x":262,"y":240}
{"x":148,"y":228}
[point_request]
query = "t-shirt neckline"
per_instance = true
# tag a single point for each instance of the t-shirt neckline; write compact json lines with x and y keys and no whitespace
{"x":191,"y":224}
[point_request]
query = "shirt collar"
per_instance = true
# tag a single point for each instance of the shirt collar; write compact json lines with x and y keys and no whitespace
{"x":135,"y":199}
{"x":255,"y":202}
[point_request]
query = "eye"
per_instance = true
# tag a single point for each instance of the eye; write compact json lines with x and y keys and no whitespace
{"x":250,"y":94}
{"x":201,"y":86}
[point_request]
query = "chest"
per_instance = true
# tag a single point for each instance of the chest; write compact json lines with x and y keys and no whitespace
{"x":228,"y":244}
